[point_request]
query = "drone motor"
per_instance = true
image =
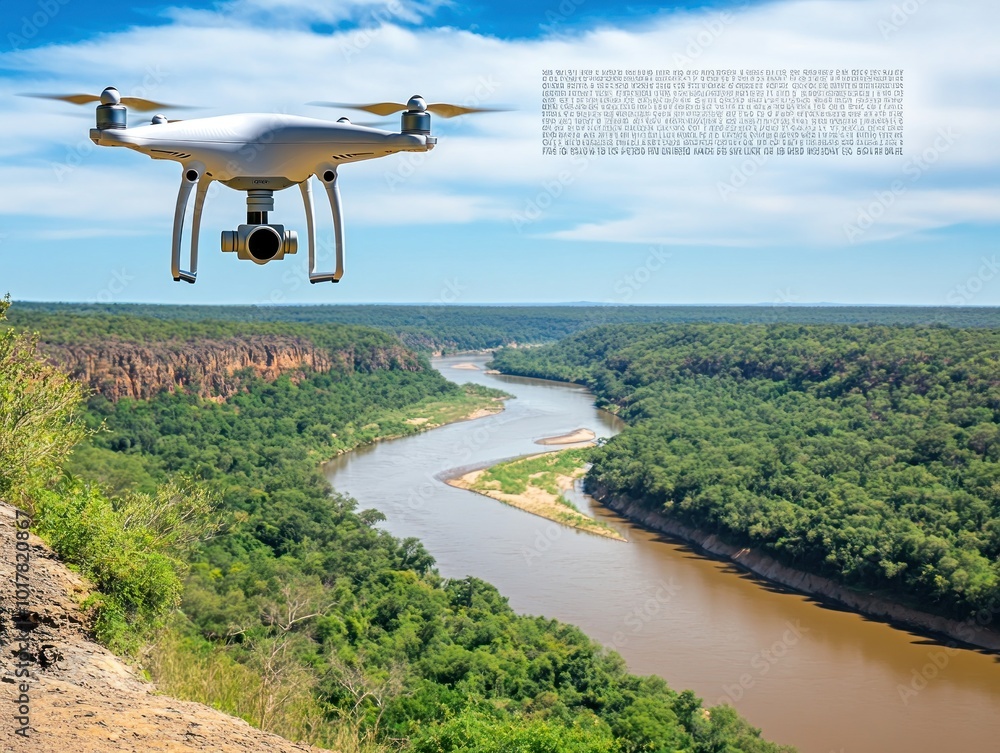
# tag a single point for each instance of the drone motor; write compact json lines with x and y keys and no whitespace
{"x":415,"y":119}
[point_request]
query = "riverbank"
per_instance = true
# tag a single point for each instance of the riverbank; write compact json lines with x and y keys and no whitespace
{"x":536,"y":485}
{"x":475,"y":402}
{"x":694,"y":620}
{"x":876,"y":606}
{"x":573,"y":437}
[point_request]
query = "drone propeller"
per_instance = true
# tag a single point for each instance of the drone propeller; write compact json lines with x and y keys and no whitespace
{"x":415,"y":103}
{"x":136,"y":103}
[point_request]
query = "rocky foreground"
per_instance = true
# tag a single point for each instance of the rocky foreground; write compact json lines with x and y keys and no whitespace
{"x":80,"y":697}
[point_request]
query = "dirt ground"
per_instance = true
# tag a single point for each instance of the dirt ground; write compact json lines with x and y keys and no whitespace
{"x":81,"y":697}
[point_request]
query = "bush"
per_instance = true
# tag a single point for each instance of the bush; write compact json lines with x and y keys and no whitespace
{"x":38,"y":424}
{"x":121,"y":545}
{"x":476,"y":732}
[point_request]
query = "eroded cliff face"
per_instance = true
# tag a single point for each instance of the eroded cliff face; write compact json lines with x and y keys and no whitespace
{"x":118,"y":369}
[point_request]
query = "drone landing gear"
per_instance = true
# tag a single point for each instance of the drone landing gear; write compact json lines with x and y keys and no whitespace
{"x":191,"y":176}
{"x":329,"y":180}
{"x":258,"y":204}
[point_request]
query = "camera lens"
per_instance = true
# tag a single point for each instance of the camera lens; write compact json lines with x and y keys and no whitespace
{"x":263,"y":243}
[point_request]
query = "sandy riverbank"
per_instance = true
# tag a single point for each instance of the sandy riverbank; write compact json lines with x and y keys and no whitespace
{"x":466,"y":366}
{"x":538,"y":500}
{"x":574,"y":437}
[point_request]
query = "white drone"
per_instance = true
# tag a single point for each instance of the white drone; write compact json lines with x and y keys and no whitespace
{"x":260,"y":154}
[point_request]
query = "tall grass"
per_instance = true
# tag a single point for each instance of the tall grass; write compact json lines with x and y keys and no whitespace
{"x":267,"y":688}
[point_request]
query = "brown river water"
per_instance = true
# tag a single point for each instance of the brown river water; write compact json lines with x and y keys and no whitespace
{"x":822,"y":679}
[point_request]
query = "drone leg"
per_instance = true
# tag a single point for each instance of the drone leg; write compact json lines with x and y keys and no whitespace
{"x":199,"y":205}
{"x":329,"y":178}
{"x":188,"y":179}
{"x":307,"y":199}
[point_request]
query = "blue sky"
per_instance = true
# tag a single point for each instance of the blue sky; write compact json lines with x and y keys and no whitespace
{"x":88,"y":224}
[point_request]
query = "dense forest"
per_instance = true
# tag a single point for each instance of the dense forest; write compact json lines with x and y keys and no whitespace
{"x":438,"y":328}
{"x":231,"y":570}
{"x":869,"y":454}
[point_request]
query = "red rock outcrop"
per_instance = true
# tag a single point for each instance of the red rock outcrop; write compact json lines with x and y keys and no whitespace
{"x":118,"y":368}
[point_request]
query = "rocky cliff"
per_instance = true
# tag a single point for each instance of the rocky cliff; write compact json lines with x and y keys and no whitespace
{"x":118,"y":368}
{"x":61,"y":692}
{"x":967,"y":632}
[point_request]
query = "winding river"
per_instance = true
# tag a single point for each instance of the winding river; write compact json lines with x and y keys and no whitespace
{"x":825,"y":680}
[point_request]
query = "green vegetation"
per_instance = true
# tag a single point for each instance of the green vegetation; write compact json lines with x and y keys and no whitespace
{"x":542,"y":471}
{"x":470,"y":400}
{"x":38,"y":425}
{"x":451,"y":328}
{"x":533,"y":484}
{"x":131,"y":548}
{"x":304,"y":618}
{"x":866,"y":454}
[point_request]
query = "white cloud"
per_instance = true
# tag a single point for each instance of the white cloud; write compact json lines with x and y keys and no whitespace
{"x":489,"y":168}
{"x":287,"y":13}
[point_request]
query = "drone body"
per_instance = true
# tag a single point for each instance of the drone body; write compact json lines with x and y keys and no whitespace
{"x":261,"y":150}
{"x":260,"y":154}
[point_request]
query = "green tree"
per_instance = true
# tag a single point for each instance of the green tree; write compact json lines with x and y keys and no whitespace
{"x":38,"y":418}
